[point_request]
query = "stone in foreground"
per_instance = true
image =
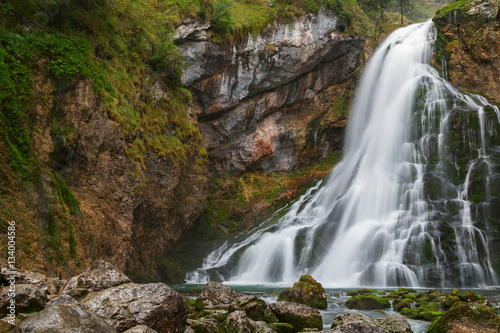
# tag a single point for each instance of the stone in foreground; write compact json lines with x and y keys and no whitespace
{"x":64,"y":318}
{"x":155,"y":305}
{"x":298,"y":315}
{"x":306,"y":291}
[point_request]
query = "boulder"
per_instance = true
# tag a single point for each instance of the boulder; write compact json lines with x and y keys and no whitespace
{"x":405,"y":303}
{"x":99,"y":276}
{"x":367,"y":302}
{"x":300,"y":316}
{"x":140,"y":329}
{"x":306,"y":291}
{"x":467,"y":317}
{"x":7,"y":326}
{"x":64,"y":318}
{"x":347,"y":318}
{"x":358,"y":327}
{"x":394,"y":323}
{"x":238,"y":321}
{"x":50,"y":284}
{"x":359,"y":322}
{"x":216,"y":295}
{"x":254,"y":307}
{"x":63,"y":299}
{"x":28,"y":298}
{"x":155,"y":305}
{"x":281,"y":327}
{"x":205,"y":325}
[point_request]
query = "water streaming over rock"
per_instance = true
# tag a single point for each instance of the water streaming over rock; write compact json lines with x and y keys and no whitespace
{"x":414,"y":201}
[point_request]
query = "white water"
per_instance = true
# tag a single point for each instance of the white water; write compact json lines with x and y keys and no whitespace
{"x":370,"y":222}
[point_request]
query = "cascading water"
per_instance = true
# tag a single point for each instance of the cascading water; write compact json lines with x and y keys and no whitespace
{"x":407,"y":204}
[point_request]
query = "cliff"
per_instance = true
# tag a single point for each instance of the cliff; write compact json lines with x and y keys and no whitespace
{"x":470,"y":32}
{"x":102,"y":155}
{"x":268,"y":102}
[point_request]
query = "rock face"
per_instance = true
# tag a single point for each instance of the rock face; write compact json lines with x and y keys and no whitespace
{"x":260,"y":101}
{"x":471,"y":33}
{"x":298,"y":315}
{"x":306,"y":291}
{"x":154,"y":305}
{"x":99,"y":276}
{"x":63,"y":318}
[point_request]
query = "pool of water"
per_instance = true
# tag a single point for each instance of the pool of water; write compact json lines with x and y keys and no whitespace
{"x":336,"y":299}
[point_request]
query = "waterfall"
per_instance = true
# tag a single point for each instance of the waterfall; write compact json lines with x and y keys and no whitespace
{"x":406,"y":206}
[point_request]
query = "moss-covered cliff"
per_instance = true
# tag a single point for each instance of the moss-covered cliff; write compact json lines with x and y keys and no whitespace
{"x":101,"y":155}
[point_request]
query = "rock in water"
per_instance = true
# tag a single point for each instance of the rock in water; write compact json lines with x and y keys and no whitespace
{"x":155,"y":305}
{"x":99,"y":276}
{"x":306,"y":291}
{"x":216,"y":295}
{"x":64,"y":318}
{"x":468,"y":317}
{"x":368,"y":302}
{"x":346,"y":318}
{"x":298,"y":315}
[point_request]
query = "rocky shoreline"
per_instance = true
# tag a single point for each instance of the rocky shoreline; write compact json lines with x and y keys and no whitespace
{"x":102,"y":299}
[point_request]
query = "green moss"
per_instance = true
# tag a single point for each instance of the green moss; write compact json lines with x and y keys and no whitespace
{"x":454,"y":6}
{"x":65,"y":196}
{"x":171,"y":271}
{"x":281,"y":327}
{"x":367,"y":302}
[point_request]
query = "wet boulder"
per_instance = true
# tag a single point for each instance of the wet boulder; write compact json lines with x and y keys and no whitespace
{"x":216,"y":295}
{"x":306,"y":291}
{"x":99,"y":276}
{"x":155,"y":305}
{"x":300,"y":316}
{"x":358,"y":322}
{"x":238,"y":321}
{"x":253,"y":306}
{"x":394,"y":323}
{"x":63,"y":318}
{"x":467,"y":317}
{"x":367,"y":302}
{"x":347,"y":318}
{"x":28,"y":298}
{"x":205,"y":325}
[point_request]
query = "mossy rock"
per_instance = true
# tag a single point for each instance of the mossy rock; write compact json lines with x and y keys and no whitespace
{"x":421,"y":314}
{"x":367,"y":302}
{"x":281,"y":327}
{"x":404,"y":304}
{"x":449,"y":301}
{"x":351,"y":293}
{"x":471,"y":296}
{"x":306,"y":291}
{"x":472,"y":317}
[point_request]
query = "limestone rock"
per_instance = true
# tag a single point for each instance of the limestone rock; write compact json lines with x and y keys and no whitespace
{"x":358,"y":328}
{"x":253,"y":306}
{"x":99,"y":276}
{"x":215,"y":294}
{"x":6,"y":325}
{"x":298,"y":315}
{"x":238,"y":321}
{"x":27,"y":298}
{"x":205,"y":325}
{"x":346,"y":318}
{"x":63,"y":318}
{"x":306,"y":291}
{"x":394,"y":323}
{"x":63,"y":299}
{"x":155,"y":305}
{"x":140,"y":329}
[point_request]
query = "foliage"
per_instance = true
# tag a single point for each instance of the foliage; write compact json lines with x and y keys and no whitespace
{"x":222,"y":21}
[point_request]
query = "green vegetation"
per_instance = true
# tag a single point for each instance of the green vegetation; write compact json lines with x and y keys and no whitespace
{"x":64,"y":194}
